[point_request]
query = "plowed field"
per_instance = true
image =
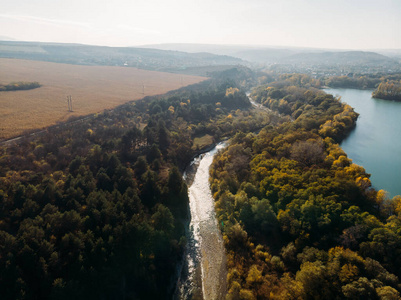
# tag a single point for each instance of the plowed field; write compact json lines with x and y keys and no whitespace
{"x":92,"y":89}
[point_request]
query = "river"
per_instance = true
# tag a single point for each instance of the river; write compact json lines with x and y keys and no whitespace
{"x":375,"y":143}
{"x":204,"y":272}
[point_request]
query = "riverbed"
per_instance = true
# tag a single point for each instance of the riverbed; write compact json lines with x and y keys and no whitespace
{"x":375,"y":143}
{"x":204,"y":272}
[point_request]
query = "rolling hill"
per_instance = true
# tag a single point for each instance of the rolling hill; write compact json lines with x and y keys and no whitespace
{"x":150,"y":59}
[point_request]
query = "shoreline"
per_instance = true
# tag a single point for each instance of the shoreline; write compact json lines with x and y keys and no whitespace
{"x":204,"y":238}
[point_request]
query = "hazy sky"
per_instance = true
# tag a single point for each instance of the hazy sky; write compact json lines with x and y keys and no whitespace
{"x":346,"y":24}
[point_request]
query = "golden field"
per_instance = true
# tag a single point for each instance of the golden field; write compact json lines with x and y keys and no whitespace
{"x":92,"y":89}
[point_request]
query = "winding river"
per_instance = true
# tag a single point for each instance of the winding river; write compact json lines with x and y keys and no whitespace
{"x":204,"y":272}
{"x":375,"y":143}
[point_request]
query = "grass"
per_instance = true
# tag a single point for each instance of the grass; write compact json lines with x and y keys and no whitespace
{"x":92,"y":88}
{"x":203,"y":141}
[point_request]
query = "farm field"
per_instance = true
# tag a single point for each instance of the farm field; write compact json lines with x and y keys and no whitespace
{"x":92,"y":89}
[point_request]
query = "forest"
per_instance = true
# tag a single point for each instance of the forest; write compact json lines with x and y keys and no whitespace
{"x":388,"y":83}
{"x":299,"y":219}
{"x":389,"y":90}
{"x":353,"y":82}
{"x":387,"y":87}
{"x":97,"y":209}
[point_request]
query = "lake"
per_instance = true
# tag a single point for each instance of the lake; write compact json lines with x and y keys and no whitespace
{"x":375,"y":143}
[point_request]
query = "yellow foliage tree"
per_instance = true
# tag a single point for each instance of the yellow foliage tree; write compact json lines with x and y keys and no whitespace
{"x":231,"y":91}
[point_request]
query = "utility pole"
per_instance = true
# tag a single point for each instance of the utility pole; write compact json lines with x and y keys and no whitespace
{"x":69,"y":103}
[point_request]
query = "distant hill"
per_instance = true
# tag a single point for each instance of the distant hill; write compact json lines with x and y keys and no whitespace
{"x":265,"y":55}
{"x":294,"y":56}
{"x":202,"y":59}
{"x":6,"y":38}
{"x":196,"y":48}
{"x":151,"y":59}
{"x":393,"y":53}
{"x":339,"y":58}
{"x":249,"y":53}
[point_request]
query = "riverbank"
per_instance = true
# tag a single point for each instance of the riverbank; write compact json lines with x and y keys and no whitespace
{"x":204,"y":272}
{"x":293,"y":205}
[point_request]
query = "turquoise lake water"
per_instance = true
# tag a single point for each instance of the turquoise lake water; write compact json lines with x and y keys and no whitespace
{"x":375,"y":143}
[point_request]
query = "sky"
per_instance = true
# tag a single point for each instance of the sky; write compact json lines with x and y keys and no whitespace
{"x":334,"y":24}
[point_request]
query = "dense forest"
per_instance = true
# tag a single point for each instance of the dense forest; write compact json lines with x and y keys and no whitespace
{"x":299,"y":219}
{"x":352,"y":82}
{"x":97,"y":209}
{"x":389,"y":90}
{"x":363,"y":81}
